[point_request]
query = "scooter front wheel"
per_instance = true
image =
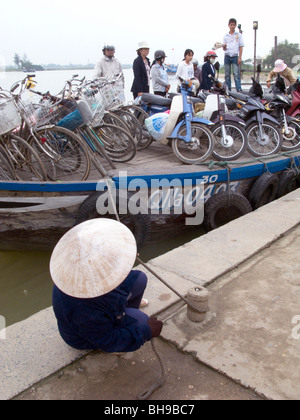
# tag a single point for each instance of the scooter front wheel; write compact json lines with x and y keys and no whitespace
{"x":233,"y":144}
{"x":264,"y":142}
{"x":198,"y":149}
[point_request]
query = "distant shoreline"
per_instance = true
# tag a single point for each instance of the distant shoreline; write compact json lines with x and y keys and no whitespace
{"x":54,"y":67}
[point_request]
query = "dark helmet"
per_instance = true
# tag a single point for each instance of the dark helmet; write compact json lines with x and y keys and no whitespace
{"x":108,"y":47}
{"x":159,"y":54}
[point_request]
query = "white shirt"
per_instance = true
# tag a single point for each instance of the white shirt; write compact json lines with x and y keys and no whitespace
{"x":233,"y":42}
{"x":185,"y":71}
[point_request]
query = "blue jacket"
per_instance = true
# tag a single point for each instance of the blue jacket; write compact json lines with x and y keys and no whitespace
{"x":206,"y":83}
{"x":99,"y":323}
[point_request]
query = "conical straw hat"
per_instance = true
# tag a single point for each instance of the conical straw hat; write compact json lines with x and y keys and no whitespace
{"x":93,"y":258}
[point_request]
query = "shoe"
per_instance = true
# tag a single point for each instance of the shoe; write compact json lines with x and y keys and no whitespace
{"x":144,"y":303}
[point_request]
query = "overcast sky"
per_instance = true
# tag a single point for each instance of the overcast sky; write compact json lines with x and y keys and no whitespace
{"x":69,"y":31}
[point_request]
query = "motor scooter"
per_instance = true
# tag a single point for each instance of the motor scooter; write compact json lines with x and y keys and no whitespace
{"x":264,"y":133}
{"x":294,"y":110}
{"x":277,"y":106}
{"x":192,"y":140}
{"x":229,"y":130}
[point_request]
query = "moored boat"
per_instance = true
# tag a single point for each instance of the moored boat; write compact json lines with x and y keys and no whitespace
{"x":34,"y":215}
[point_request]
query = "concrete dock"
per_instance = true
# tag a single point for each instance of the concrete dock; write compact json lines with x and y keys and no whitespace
{"x":251,"y":334}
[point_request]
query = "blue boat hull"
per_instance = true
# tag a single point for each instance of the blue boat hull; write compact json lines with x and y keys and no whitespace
{"x":34,"y":215}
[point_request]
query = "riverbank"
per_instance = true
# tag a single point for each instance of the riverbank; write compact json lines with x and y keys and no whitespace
{"x":250,"y":267}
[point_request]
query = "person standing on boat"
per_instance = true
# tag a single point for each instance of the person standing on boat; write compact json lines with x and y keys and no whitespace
{"x":233,"y":44}
{"x":284,"y":71}
{"x":186,"y":70}
{"x":159,"y":74}
{"x":109,"y":67}
{"x":141,"y":71}
{"x":197,"y":70}
{"x":96,"y":294}
{"x":208,"y":69}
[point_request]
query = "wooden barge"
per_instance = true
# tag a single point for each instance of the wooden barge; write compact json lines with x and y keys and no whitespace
{"x":34,"y":215}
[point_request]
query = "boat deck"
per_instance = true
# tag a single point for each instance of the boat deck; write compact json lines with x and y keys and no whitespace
{"x":159,"y":159}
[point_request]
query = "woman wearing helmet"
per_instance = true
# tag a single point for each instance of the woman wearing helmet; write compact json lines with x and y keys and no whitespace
{"x":208,"y":68}
{"x":159,"y":74}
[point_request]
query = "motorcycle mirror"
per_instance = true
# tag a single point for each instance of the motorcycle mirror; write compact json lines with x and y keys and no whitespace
{"x":258,"y":68}
{"x":217,"y":66}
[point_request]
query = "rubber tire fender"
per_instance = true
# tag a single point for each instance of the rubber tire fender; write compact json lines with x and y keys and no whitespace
{"x":264,"y":190}
{"x":139,"y":224}
{"x":287,"y":182}
{"x":235,"y":202}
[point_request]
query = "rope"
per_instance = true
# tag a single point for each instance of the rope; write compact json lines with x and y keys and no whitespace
{"x":221,"y":164}
{"x":148,"y":392}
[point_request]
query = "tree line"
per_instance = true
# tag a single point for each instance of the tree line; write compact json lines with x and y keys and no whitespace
{"x":23,"y":63}
{"x":286,"y":51}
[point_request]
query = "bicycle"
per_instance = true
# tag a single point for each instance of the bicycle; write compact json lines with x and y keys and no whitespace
{"x":112,"y":96}
{"x":62,"y":152}
{"x":7,"y":171}
{"x":23,"y":162}
{"x":113,"y":140}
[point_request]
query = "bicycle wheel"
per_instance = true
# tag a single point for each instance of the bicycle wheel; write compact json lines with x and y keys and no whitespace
{"x":26,"y":161}
{"x":291,"y":140}
{"x":198,"y":149}
{"x":63,"y":154}
{"x":235,"y":143}
{"x":113,"y":119}
{"x":132,"y":123}
{"x":118,"y":143}
{"x":268,"y":143}
{"x":7,"y":172}
{"x":141,"y":115}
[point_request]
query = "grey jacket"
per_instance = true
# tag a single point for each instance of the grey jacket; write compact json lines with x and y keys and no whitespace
{"x":159,"y":78}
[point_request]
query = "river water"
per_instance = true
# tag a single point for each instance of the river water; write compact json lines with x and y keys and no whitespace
{"x":25,"y":283}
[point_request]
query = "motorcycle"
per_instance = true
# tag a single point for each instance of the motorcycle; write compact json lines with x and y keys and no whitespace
{"x":278,"y":106}
{"x":264,"y":134}
{"x":263,"y":131}
{"x":294,"y":110}
{"x":229,"y":130}
{"x":190,"y":136}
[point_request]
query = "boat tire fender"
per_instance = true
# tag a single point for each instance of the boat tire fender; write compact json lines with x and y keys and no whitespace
{"x":264,"y":190}
{"x":287,"y":182}
{"x":215,"y":212}
{"x":139,"y":224}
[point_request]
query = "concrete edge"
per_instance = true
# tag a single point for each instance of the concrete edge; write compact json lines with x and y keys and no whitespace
{"x":33,"y":349}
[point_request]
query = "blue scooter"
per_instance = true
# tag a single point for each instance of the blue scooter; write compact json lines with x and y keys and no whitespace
{"x":191,"y":139}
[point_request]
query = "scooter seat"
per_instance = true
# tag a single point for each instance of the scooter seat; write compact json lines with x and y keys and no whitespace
{"x":239,"y":96}
{"x":149,"y":98}
{"x":230,"y":103}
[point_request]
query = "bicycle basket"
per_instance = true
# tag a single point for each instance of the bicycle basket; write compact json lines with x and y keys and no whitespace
{"x":65,"y":114}
{"x":96,"y":105}
{"x":72,"y":117}
{"x":113,"y":96}
{"x":9,"y":116}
